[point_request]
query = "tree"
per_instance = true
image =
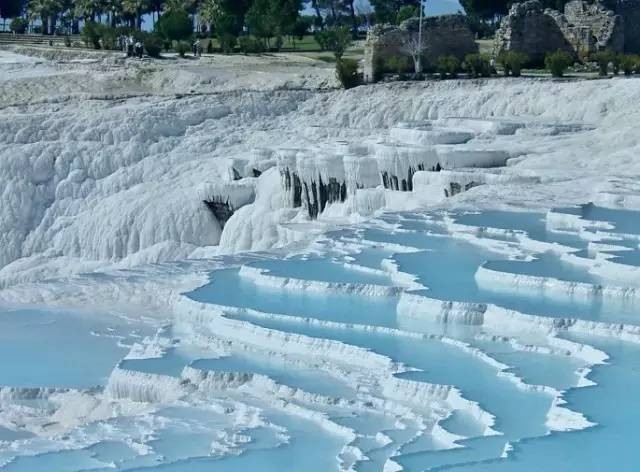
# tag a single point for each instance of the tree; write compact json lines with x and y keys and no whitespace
{"x":301,"y":27}
{"x":19,"y":25}
{"x":414,"y":47}
{"x":260,"y":20}
{"x":225,"y":28}
{"x":338,"y":40}
{"x":156,"y":7}
{"x":11,"y":8}
{"x":349,"y":6}
{"x":47,"y":11}
{"x":224,"y":17}
{"x":209,"y":11}
{"x":319,"y":21}
{"x":407,"y":12}
{"x":386,"y":11}
{"x":113,"y":8}
{"x":134,"y":9}
{"x":174,"y":25}
{"x":331,"y":6}
{"x":269,"y":18}
{"x":88,"y":9}
{"x":486,"y":9}
{"x":236,"y":11}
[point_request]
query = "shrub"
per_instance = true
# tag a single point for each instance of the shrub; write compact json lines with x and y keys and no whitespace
{"x":516,"y":60}
{"x":227,"y":42}
{"x":478,"y":65}
{"x":512,"y":62}
{"x":339,"y":41}
{"x":448,"y":65}
{"x":397,"y":64}
{"x":504,"y":63}
{"x":603,"y":59}
{"x":108,"y":35}
{"x":174,"y":25}
{"x":347,"y":72}
{"x":629,"y":63}
{"x":98,"y":35}
{"x":90,"y":35}
{"x":182,"y":48}
{"x":19,"y":25}
{"x":558,"y":62}
{"x":336,"y":40}
{"x":615,"y":62}
{"x":322,"y":38}
{"x":153,"y":45}
{"x":249,"y":45}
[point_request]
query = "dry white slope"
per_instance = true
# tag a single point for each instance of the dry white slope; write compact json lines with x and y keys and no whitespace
{"x":100,"y":162}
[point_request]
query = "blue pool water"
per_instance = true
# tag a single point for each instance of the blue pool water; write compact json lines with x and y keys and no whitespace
{"x":310,"y":448}
{"x":75,"y":350}
{"x":624,"y":221}
{"x":533,"y":224}
{"x":308,"y":379}
{"x":611,"y":446}
{"x":229,"y":289}
{"x":322,"y":270}
{"x":442,"y":364}
{"x":43,"y":348}
{"x":462,"y":286}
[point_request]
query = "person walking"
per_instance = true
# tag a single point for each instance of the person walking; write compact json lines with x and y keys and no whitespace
{"x":130,"y":46}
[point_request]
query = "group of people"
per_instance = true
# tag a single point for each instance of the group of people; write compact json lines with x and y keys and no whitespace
{"x":130,"y":46}
{"x":133,"y":48}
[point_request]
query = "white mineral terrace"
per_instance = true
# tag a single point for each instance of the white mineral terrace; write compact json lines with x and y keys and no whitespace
{"x":272,"y":275}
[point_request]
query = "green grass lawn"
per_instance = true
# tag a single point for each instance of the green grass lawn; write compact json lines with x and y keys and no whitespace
{"x":307,"y":47}
{"x":306,"y":44}
{"x":485,"y":46}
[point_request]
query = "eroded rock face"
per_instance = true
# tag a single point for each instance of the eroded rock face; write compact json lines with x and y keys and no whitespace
{"x":442,"y":36}
{"x":582,"y":29}
{"x":221,"y":209}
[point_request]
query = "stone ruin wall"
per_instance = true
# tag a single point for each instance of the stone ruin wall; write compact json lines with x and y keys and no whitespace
{"x":442,"y":36}
{"x":590,"y":28}
{"x":582,"y":29}
{"x":629,"y":10}
{"x":530,"y":29}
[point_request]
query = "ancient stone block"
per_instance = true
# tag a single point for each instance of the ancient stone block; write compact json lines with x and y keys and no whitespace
{"x":531,"y":29}
{"x":585,"y":27}
{"x":442,"y":35}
